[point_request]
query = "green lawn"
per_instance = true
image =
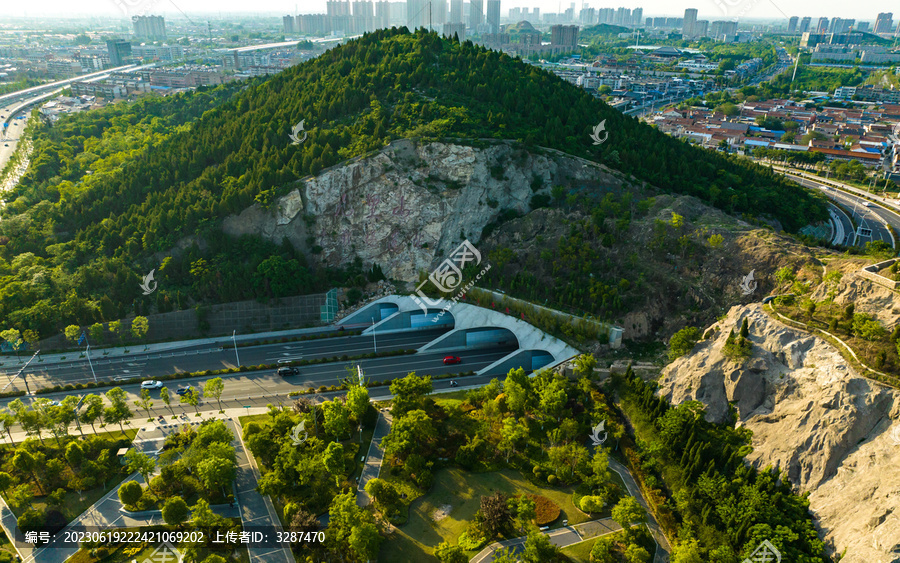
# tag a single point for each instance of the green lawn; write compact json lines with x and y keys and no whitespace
{"x":463,"y":491}
{"x":580,"y":552}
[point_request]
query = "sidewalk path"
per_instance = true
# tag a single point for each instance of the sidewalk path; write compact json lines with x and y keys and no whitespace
{"x":374,"y":457}
{"x":256,"y":510}
{"x":663,"y":549}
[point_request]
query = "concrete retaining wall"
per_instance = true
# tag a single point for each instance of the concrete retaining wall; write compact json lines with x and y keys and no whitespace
{"x":871,"y":273}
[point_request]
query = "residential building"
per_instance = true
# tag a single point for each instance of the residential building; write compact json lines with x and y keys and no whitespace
{"x":564,"y":36}
{"x":884,"y":22}
{"x":804,"y":24}
{"x":724,"y":31}
{"x":792,"y":24}
{"x":690,"y":20}
{"x":823,"y":26}
{"x":476,"y":14}
{"x":493,"y":15}
{"x":152,"y":28}
{"x":119,"y":52}
{"x":456,"y":12}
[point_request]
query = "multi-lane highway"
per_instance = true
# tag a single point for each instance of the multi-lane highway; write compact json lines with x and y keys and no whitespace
{"x":208,"y":357}
{"x":871,"y":218}
{"x":255,"y":384}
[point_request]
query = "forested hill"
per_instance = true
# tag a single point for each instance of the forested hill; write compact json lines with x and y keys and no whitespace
{"x":109,"y":188}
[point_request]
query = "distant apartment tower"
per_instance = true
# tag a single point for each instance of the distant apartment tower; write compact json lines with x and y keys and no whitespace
{"x":701,"y":28}
{"x":823,"y":26}
{"x":564,"y":36}
{"x":588,"y":16}
{"x":456,"y":11}
{"x":493,"y":16}
{"x":476,"y":14}
{"x":289,"y":26}
{"x":804,"y":24}
{"x":724,"y":31}
{"x":637,"y":16}
{"x":623,"y":16}
{"x":792,"y":24}
{"x":884,"y":22}
{"x":119,"y":52}
{"x":457,"y":29}
{"x":149,"y":27}
{"x":690,"y":20}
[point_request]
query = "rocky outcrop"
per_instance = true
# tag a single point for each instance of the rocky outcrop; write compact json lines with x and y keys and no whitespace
{"x":812,"y":416}
{"x":409,"y":205}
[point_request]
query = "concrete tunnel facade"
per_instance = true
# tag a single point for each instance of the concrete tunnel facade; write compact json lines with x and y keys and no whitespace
{"x":472,"y":328}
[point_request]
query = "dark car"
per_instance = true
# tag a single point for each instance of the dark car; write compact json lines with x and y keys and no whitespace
{"x":184,"y":390}
{"x":287,"y":370}
{"x":452,"y":360}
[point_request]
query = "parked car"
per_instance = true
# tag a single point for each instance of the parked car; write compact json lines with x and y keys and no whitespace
{"x":449,"y":360}
{"x":151,"y":384}
{"x":453,"y":383}
{"x":183,"y":390}
{"x":287,"y":370}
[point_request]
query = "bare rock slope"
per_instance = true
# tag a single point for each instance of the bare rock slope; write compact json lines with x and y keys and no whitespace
{"x":835,"y":433}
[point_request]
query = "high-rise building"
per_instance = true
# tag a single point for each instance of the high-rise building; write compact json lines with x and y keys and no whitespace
{"x":637,"y":16}
{"x":457,"y":29}
{"x":690,"y":20}
{"x":623,"y":16}
{"x":476,"y":14}
{"x":288,"y":22}
{"x":823,"y":26}
{"x":701,"y":28}
{"x":456,"y":11}
{"x":493,"y":15}
{"x":792,"y":24}
{"x":416,"y":14}
{"x":119,"y":52}
{"x":149,"y":27}
{"x":724,"y":31}
{"x":884,"y":22}
{"x":535,"y":16}
{"x":588,"y":16}
{"x":564,"y":36}
{"x":861,"y":26}
{"x":382,"y":14}
{"x":804,"y":24}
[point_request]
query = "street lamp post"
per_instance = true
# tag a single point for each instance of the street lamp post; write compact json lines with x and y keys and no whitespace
{"x":234,"y":341}
{"x":90,"y":363}
{"x":374,"y":343}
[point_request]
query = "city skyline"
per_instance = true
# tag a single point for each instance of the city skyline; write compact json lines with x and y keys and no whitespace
{"x":866,"y":10}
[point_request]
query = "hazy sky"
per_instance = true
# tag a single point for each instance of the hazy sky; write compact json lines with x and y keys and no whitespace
{"x":709,"y":9}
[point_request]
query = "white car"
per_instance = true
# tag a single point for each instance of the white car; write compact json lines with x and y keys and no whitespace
{"x":151,"y":384}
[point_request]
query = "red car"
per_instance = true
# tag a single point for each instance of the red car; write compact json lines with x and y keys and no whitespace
{"x":452,"y":360}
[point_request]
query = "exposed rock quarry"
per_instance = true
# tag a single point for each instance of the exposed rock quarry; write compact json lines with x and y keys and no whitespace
{"x":409,"y":205}
{"x":835,"y":433}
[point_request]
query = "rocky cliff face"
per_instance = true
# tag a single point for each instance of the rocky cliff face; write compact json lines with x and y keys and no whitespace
{"x":835,"y":433}
{"x":408,"y":206}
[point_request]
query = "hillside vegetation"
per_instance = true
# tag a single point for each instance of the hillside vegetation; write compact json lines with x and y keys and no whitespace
{"x":111,"y":192}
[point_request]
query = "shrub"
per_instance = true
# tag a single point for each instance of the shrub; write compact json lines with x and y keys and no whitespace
{"x":552,"y":479}
{"x":545,"y":510}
